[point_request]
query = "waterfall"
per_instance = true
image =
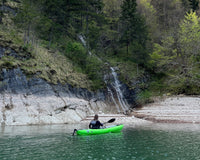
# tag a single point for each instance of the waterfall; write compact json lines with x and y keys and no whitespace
{"x":84,"y":42}
{"x":116,"y":85}
{"x":111,"y":95}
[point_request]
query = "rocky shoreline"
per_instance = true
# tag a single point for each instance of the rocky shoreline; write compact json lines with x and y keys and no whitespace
{"x":35,"y":101}
{"x":177,"y":109}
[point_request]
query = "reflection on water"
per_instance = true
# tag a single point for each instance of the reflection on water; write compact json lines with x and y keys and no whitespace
{"x":37,"y":129}
{"x":170,"y":127}
{"x":152,"y":142}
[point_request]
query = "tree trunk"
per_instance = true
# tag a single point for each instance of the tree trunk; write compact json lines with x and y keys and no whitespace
{"x":28,"y":33}
{"x":127,"y":45}
{"x":50,"y":37}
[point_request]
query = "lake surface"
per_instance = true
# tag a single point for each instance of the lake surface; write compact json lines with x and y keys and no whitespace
{"x":151,"y":142}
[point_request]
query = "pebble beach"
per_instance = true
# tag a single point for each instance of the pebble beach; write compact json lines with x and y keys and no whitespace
{"x":176,"y":109}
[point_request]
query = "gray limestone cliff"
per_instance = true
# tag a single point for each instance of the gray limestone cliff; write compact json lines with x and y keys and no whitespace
{"x":35,"y":101}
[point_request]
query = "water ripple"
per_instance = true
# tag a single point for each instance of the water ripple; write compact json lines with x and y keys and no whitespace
{"x":56,"y":142}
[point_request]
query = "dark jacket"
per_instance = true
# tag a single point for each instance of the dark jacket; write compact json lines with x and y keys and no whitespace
{"x":95,"y":124}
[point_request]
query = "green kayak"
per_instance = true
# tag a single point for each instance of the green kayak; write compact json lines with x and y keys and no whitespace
{"x":109,"y":129}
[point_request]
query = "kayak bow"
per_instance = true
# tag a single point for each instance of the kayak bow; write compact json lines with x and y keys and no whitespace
{"x":109,"y":129}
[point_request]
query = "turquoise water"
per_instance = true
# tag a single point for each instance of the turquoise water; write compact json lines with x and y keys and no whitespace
{"x":153,"y":142}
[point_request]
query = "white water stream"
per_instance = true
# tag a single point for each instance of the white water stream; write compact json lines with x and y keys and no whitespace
{"x":116,"y":85}
{"x":113,"y":99}
{"x":84,"y":42}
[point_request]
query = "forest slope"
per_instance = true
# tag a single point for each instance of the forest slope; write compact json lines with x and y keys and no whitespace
{"x":147,"y":40}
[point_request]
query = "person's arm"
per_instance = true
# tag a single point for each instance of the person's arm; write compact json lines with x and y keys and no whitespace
{"x":90,"y":125}
{"x":101,"y":124}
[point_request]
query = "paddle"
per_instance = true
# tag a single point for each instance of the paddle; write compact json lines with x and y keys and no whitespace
{"x":74,"y":132}
{"x":110,"y":121}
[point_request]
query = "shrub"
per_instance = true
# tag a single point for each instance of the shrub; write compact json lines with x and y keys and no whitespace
{"x":76,"y":52}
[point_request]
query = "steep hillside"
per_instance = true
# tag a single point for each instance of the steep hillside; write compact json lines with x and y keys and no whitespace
{"x":94,"y":56}
{"x":38,"y":61}
{"x":42,"y":84}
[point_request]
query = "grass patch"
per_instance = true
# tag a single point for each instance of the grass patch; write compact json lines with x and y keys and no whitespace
{"x":52,"y":66}
{"x":144,"y":97}
{"x":8,"y":62}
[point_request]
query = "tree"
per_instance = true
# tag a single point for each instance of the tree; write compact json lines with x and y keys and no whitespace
{"x":179,"y":56}
{"x":109,"y":34}
{"x":94,"y":21}
{"x":194,"y":4}
{"x":185,"y":46}
{"x":51,"y":20}
{"x":134,"y":31}
{"x":146,"y":9}
{"x":128,"y":19}
{"x":169,"y":13}
{"x":26,"y":18}
{"x":189,"y":36}
{"x":164,"y":55}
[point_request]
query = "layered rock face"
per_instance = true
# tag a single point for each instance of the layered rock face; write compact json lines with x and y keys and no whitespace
{"x":32,"y":101}
{"x":35,"y":101}
{"x":28,"y":101}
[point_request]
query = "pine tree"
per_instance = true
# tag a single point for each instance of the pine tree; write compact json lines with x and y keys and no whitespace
{"x":134,"y":32}
{"x":26,"y":19}
{"x":194,"y":4}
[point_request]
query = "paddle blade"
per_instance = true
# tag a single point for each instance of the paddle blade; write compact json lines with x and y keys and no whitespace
{"x":111,"y":120}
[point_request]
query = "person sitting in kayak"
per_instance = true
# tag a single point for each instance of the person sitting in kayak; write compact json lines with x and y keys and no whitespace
{"x":95,"y":123}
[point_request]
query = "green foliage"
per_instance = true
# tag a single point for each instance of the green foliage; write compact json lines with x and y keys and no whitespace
{"x":134,"y":32}
{"x":163,"y":55}
{"x":189,"y":35}
{"x":129,"y":34}
{"x":129,"y":17}
{"x":178,"y":57}
{"x":27,"y":18}
{"x":169,"y":13}
{"x":93,"y":69}
{"x":144,"y":97}
{"x":157,"y":85}
{"x":8,"y":62}
{"x":194,"y":4}
{"x":93,"y":35}
{"x":89,"y":65}
{"x":184,"y":85}
{"x":146,"y":9}
{"x":76,"y":52}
